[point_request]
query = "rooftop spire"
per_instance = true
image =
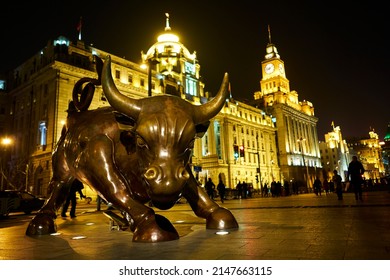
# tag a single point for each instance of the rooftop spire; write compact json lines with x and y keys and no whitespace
{"x":79,"y":26}
{"x":167,"y":27}
{"x":269,"y":34}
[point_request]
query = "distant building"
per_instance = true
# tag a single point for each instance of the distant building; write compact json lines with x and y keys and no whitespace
{"x":369,"y":152}
{"x":335,"y":154}
{"x":386,"y":151}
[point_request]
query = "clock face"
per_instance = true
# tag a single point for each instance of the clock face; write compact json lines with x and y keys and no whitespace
{"x":281,"y":68}
{"x":269,"y":68}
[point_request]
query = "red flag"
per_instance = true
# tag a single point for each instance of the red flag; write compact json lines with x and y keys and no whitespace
{"x":79,"y":25}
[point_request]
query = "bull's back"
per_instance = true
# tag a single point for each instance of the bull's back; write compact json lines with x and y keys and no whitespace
{"x":88,"y":128}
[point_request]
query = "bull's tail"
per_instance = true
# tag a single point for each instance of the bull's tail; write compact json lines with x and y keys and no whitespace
{"x":83,"y":94}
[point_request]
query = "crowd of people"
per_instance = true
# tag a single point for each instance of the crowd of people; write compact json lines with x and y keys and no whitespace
{"x":354,"y":182}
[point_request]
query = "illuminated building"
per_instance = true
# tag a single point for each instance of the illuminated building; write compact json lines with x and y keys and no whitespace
{"x":386,"y":151}
{"x":369,"y":152}
{"x":298,"y":145}
{"x":335,"y":154}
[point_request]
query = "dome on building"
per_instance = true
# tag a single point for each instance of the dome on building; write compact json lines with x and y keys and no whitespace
{"x":168,"y":45}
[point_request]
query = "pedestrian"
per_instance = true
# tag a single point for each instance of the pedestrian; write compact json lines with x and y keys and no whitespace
{"x":273,"y":188}
{"x":221,"y":190}
{"x":286,"y":188}
{"x":210,"y":187}
{"x":76,"y":187}
{"x":336,"y":179}
{"x":239,"y":189}
{"x":331,"y":186}
{"x":244,"y":189}
{"x":317,"y":186}
{"x":265,"y":190}
{"x":355,"y":172}
{"x":325,"y":185}
{"x":295,"y":188}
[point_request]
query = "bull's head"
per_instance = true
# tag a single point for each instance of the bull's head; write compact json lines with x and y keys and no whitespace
{"x":165,"y":130}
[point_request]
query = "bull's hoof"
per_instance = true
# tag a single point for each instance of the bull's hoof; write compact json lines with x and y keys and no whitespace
{"x":41,"y":224}
{"x":155,"y":229}
{"x":221,"y":219}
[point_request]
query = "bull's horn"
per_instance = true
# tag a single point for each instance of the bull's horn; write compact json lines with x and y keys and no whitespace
{"x":210,"y":109}
{"x":126,"y":105}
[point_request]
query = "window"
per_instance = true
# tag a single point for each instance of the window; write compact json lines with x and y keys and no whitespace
{"x":191,"y":87}
{"x":117,"y":74}
{"x":2,"y":85}
{"x":42,"y":129}
{"x":130,"y":78}
{"x":142,"y":82}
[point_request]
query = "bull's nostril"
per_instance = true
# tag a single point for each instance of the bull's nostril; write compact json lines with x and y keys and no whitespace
{"x":151,"y":173}
{"x":183,"y":174}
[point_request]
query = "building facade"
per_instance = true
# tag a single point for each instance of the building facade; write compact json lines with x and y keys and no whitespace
{"x":335,"y":154}
{"x":369,"y":152}
{"x":296,"y":124}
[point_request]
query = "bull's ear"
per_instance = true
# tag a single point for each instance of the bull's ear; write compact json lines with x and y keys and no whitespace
{"x":124,"y":122}
{"x":201,"y":129}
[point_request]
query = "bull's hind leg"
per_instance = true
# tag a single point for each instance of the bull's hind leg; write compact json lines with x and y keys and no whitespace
{"x":217,"y":217}
{"x":101,"y":172}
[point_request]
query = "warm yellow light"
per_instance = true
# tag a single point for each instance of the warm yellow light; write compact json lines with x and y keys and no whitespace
{"x":6,"y":141}
{"x":168,"y":37}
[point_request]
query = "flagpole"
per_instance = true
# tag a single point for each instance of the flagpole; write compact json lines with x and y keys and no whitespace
{"x":79,"y":27}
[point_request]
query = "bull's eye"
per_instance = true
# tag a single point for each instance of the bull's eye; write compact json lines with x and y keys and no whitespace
{"x":141,"y":143}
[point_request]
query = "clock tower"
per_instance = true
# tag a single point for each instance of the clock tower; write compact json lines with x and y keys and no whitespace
{"x":273,"y":72}
{"x":298,"y":148}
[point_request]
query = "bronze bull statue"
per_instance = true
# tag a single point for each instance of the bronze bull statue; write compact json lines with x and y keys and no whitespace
{"x":134,"y":153}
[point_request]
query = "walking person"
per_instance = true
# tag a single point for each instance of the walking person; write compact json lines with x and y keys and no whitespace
{"x":221,"y":190}
{"x":210,"y":187}
{"x":355,"y":172}
{"x":317,"y":186}
{"x":244,"y":189}
{"x":265,"y":190}
{"x":76,"y":187}
{"x":325,"y":185}
{"x":239,"y":189}
{"x":336,"y":179}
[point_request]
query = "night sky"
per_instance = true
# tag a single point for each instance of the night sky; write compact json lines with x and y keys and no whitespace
{"x":335,"y":56}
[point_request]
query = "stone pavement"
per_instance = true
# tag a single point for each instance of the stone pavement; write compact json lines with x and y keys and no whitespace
{"x":298,"y":227}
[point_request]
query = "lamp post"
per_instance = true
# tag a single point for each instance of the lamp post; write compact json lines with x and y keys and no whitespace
{"x":259,"y":170}
{"x":149,"y":63}
{"x":5,"y":142}
{"x":300,"y":140}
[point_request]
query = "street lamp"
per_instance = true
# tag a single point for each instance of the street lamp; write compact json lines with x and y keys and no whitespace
{"x":149,"y":63}
{"x":5,"y":142}
{"x":300,"y":140}
{"x":259,"y":170}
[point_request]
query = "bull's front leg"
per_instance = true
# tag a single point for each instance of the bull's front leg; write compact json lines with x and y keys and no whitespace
{"x":44,"y":221}
{"x":103,"y":174}
{"x":217,"y":217}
